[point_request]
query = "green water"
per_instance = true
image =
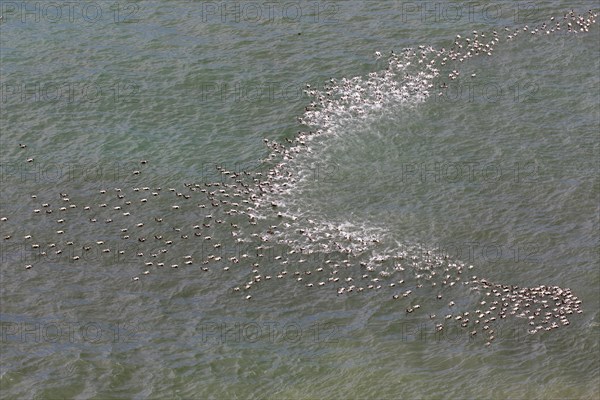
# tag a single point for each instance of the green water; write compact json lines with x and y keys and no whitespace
{"x":503,"y":175}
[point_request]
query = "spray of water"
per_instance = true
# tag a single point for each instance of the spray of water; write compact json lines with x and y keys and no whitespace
{"x":260,"y":214}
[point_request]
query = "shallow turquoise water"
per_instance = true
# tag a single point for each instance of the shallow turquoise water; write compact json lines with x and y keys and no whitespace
{"x":503,"y":175}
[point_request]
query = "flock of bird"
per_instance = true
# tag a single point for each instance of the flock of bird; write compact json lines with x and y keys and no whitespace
{"x":244,"y":222}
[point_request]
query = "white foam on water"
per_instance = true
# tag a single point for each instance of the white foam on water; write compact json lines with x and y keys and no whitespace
{"x":349,"y":104}
{"x":273,"y":209}
{"x":343,"y":105}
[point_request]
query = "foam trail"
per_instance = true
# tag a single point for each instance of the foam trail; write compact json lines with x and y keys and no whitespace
{"x":260,"y":213}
